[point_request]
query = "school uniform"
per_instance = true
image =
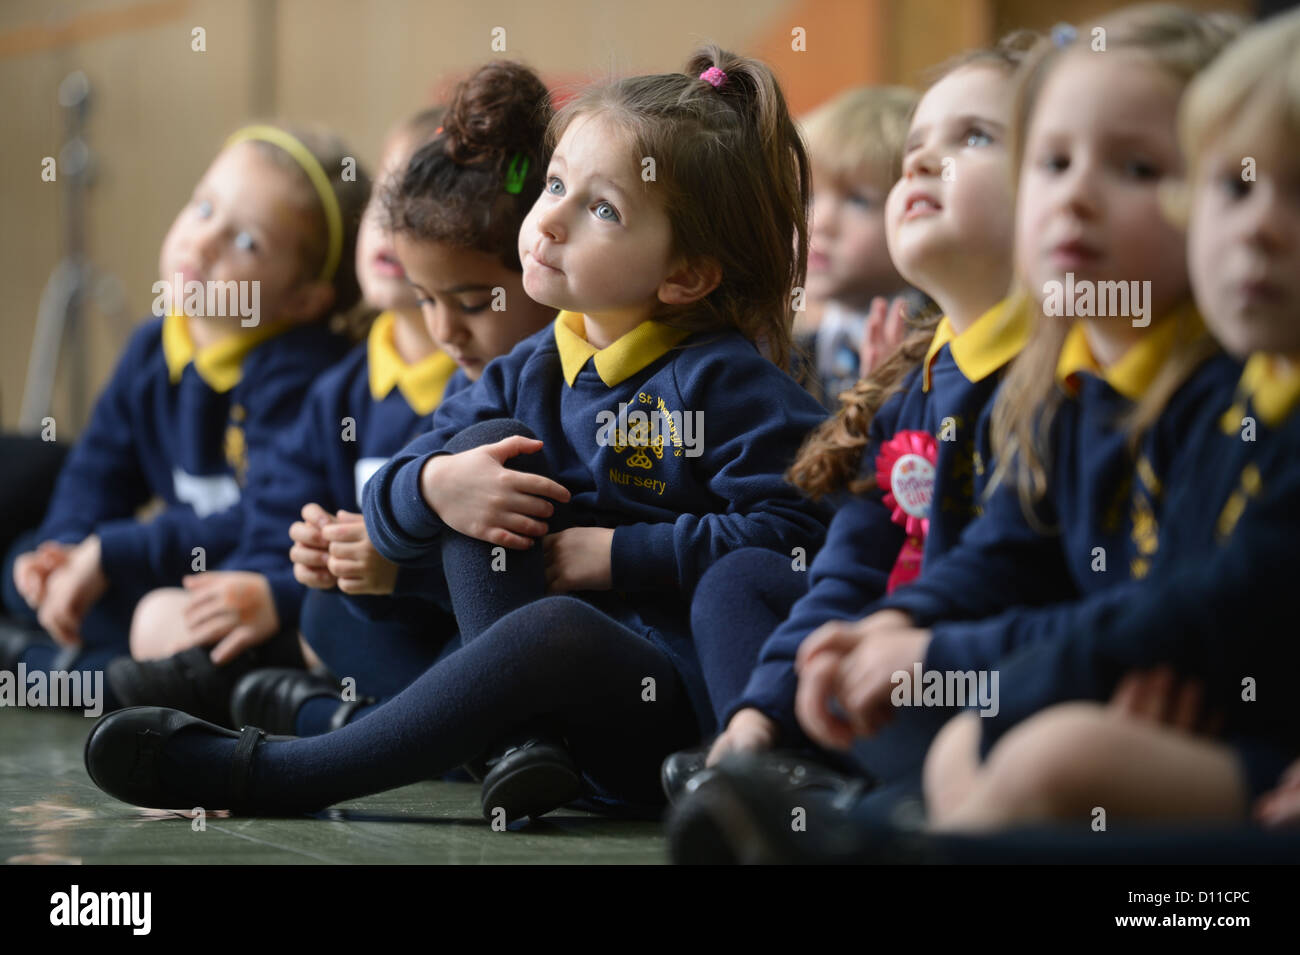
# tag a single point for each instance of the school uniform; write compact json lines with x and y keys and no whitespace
{"x":1216,"y":605}
{"x":677,"y":441}
{"x":936,"y":414}
{"x":361,"y":411}
{"x":1097,"y":524}
{"x":189,"y":427}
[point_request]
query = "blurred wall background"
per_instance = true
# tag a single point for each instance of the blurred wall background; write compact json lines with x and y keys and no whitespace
{"x":160,"y":110}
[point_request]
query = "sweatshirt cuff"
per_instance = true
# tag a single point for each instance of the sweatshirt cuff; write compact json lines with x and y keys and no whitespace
{"x":124,"y":551}
{"x":413,"y":513}
{"x":944,"y":650}
{"x":771,"y":690}
{"x":643,"y":557}
{"x":287,"y":595}
{"x":916,"y":604}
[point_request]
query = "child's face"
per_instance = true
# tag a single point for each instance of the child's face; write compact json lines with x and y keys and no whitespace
{"x":596,"y":241}
{"x":383,"y":282}
{"x":949,"y":217}
{"x":456,"y":288}
{"x":848,"y":260}
{"x":1099,"y":142}
{"x":245,"y":222}
{"x":1244,"y":246}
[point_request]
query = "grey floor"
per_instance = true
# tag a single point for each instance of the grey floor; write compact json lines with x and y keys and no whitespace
{"x":50,"y":812}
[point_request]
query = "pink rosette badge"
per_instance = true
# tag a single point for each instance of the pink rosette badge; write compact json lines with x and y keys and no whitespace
{"x":905,"y":473}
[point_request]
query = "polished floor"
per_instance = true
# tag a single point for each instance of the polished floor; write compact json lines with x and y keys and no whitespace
{"x":50,"y":812}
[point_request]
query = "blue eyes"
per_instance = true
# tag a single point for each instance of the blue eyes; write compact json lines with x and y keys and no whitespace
{"x":243,"y":240}
{"x":603,"y":210}
{"x":976,"y":137}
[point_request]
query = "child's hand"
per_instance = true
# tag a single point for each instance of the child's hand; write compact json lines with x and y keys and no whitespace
{"x":310,"y":550}
{"x":818,"y":665}
{"x":1281,"y":806}
{"x":865,"y":680}
{"x":884,"y":332}
{"x":1159,"y":696}
{"x":580,"y":558}
{"x":476,"y":494}
{"x":32,"y":570}
{"x":748,"y":730}
{"x":231,"y":608}
{"x":71,"y":590}
{"x":353,"y":560}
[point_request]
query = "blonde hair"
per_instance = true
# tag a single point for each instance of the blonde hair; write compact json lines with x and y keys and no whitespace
{"x":860,"y":133}
{"x":1253,"y":86}
{"x":831,"y":456}
{"x":1179,"y":42}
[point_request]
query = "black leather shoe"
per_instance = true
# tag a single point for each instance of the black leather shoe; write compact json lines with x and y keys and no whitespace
{"x":188,"y":681}
{"x":761,"y":808}
{"x":271,"y":698}
{"x":530,"y":779}
{"x":678,"y":768}
{"x":123,"y":757}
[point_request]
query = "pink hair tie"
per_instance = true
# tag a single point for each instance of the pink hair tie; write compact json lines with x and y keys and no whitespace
{"x":714,"y":77}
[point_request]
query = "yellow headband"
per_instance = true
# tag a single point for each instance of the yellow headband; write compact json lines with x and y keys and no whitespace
{"x":312,"y":167}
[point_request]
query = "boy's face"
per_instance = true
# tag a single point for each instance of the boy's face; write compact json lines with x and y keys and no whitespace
{"x":379,"y":272}
{"x":456,"y":288}
{"x":1100,"y":142}
{"x":596,"y":241}
{"x":949,"y":217}
{"x":243,"y":223}
{"x":1244,"y":247}
{"x":848,"y":260}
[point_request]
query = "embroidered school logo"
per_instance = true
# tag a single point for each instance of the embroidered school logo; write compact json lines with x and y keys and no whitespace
{"x":644,"y":437}
{"x":639,"y":438}
{"x":905,"y":472}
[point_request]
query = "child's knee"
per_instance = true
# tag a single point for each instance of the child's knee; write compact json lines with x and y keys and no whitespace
{"x":487,"y":432}
{"x":950,"y":765}
{"x":155,"y":623}
{"x":1049,"y":764}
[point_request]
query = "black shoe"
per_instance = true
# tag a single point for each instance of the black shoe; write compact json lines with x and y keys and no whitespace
{"x":271,"y":698}
{"x":530,"y":779}
{"x":188,"y":681}
{"x":123,"y":757}
{"x":761,"y":808}
{"x":678,"y":768}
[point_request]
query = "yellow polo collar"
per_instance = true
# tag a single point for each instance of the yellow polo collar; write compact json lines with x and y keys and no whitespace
{"x":1138,"y":367}
{"x":617,"y":361}
{"x":993,"y":339}
{"x":220,"y":364}
{"x":421,"y":384}
{"x":1272,"y":393}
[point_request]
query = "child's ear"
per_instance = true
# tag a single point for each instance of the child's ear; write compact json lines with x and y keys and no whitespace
{"x":690,"y":280}
{"x":308,"y":302}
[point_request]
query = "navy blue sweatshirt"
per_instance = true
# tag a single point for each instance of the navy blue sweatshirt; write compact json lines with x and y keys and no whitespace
{"x":624,"y":430}
{"x":850,"y":573}
{"x":1217,"y":605}
{"x":361,"y":411}
{"x":1097,"y":523}
{"x":189,"y":427}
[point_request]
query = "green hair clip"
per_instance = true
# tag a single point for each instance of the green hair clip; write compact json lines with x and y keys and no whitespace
{"x":516,"y":173}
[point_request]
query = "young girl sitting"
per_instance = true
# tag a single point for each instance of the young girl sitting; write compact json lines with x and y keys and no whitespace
{"x":674,"y":263}
{"x":197,"y":398}
{"x":951,"y":237}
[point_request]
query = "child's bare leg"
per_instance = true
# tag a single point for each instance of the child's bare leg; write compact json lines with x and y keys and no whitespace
{"x":1066,"y":761}
{"x":158,"y":627}
{"x":952,"y":765}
